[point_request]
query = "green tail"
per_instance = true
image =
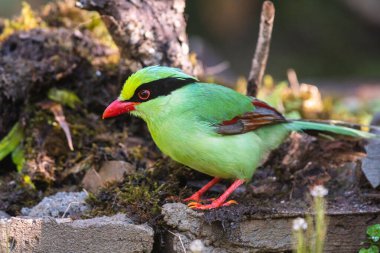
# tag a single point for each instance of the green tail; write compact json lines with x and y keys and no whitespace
{"x":299,"y":126}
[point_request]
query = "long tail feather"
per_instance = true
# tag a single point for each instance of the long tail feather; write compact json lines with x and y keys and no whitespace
{"x":328,"y":127}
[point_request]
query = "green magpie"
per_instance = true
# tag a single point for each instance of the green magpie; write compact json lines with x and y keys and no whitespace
{"x":208,"y":127}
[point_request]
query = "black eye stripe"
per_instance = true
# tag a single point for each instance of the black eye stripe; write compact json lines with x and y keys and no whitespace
{"x":161,"y":87}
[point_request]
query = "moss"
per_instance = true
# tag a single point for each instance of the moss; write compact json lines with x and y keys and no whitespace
{"x":137,"y":195}
{"x":27,"y":20}
{"x":142,"y":195}
{"x":64,"y":13}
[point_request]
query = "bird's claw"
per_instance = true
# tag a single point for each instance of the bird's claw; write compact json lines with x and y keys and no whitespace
{"x":214,"y":204}
{"x":193,"y":204}
{"x":230,"y":202}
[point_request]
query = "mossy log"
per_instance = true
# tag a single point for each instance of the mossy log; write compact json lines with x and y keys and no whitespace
{"x":33,"y":61}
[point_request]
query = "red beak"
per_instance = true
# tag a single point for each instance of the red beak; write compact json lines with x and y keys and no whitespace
{"x":117,"y":108}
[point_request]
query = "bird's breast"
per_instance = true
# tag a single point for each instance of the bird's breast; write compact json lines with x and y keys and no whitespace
{"x":198,"y":146}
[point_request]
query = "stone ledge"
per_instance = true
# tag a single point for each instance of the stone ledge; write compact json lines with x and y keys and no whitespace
{"x":346,"y":231}
{"x":103,"y":234}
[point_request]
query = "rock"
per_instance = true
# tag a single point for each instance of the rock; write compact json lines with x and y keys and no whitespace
{"x":61,"y":204}
{"x":257,"y":232}
{"x":92,"y":181}
{"x":4,"y":215}
{"x":110,"y":171}
{"x":370,"y":164}
{"x":104,"y":234}
{"x":197,"y":246}
{"x":185,"y":219}
{"x":115,"y":170}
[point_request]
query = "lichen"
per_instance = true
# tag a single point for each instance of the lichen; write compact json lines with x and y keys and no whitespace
{"x":65,"y":14}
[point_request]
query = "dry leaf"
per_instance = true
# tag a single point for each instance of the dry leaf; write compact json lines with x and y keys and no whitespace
{"x":59,"y":116}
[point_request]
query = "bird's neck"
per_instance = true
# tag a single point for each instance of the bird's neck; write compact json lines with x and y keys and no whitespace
{"x":153,"y":110}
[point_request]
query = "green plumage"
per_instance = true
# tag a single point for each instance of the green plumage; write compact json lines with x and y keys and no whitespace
{"x":300,"y":126}
{"x":183,"y":125}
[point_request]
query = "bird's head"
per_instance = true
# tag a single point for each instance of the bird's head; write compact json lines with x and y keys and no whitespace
{"x":145,"y":86}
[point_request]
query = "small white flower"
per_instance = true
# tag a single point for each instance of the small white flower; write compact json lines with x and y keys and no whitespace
{"x":299,"y":224}
{"x":318,"y":191}
{"x":197,"y":246}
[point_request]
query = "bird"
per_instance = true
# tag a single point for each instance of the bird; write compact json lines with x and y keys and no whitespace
{"x":209,"y":127}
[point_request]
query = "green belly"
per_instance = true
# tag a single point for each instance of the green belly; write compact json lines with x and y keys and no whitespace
{"x":234,"y":156}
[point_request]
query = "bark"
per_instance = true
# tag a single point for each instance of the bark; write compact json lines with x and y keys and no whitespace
{"x":147,"y":32}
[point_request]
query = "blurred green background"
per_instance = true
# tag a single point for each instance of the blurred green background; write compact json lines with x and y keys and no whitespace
{"x":322,"y":40}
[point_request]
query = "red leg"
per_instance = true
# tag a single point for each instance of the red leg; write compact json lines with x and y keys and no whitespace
{"x":197,"y":196}
{"x":221,"y":200}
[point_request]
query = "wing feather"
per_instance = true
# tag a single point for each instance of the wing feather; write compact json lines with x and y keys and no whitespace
{"x":262,"y":115}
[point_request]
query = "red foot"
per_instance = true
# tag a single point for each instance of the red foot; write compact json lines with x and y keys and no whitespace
{"x":197,"y":196}
{"x":221,"y":201}
{"x":214,"y":204}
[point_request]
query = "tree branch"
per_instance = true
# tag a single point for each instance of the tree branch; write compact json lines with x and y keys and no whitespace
{"x":147,"y":32}
{"x":259,"y":61}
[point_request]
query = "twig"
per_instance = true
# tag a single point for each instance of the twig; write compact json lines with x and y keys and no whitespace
{"x":177,"y":235}
{"x":216,"y":69}
{"x":59,"y":116}
{"x":259,"y":61}
{"x":293,"y":81}
{"x":68,"y":207}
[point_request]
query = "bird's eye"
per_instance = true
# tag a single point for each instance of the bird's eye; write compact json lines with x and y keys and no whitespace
{"x":144,"y":94}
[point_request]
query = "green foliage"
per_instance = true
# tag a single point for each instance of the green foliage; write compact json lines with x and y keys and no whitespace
{"x":64,"y":97}
{"x":26,"y":21}
{"x":11,"y":141}
{"x":18,"y":157}
{"x":373,"y":233}
{"x":372,"y":249}
{"x":11,"y":144}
